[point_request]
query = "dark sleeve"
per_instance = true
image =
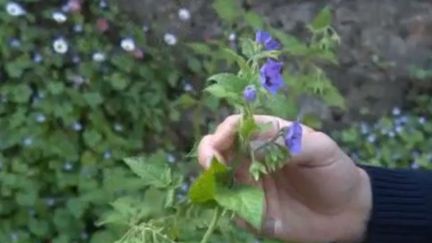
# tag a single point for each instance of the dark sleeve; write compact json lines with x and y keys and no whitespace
{"x":402,"y":206}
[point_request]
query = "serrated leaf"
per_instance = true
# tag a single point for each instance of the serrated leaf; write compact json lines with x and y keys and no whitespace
{"x":246,"y":201}
{"x":334,"y":98}
{"x":322,"y":20}
{"x":152,"y":170}
{"x":204,"y":187}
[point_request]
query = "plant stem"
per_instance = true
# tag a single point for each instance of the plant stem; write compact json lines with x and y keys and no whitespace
{"x":272,"y":140}
{"x":212,"y":225}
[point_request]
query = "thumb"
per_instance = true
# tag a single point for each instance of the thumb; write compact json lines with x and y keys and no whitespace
{"x":318,"y":149}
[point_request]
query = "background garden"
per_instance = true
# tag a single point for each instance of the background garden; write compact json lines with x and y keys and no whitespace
{"x":85,"y":84}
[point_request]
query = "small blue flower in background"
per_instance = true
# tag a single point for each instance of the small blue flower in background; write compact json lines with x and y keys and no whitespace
{"x":40,"y":118}
{"x":84,"y":235}
{"x":118,"y":127}
{"x":398,"y":129}
{"x":99,"y":57}
{"x":264,"y":38}
{"x":415,"y":165}
{"x":37,"y":58}
{"x":293,"y":137}
{"x":59,"y":17}
{"x":371,"y":138}
{"x":14,"y":9}
{"x":364,"y":127}
{"x":171,"y":158}
{"x":60,"y":45}
{"x":68,"y":166}
{"x":15,"y":43}
{"x":249,"y":93}
{"x":396,"y":111}
{"x":271,"y":76}
{"x":28,"y":141}
{"x":103,"y":4}
{"x":422,"y":120}
{"x":77,"y":126}
{"x":107,"y":155}
{"x":78,"y":28}
{"x":50,"y":201}
{"x":14,"y":237}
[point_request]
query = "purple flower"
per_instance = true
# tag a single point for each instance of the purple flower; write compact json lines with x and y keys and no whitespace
{"x":249,"y":93}
{"x":264,"y":38}
{"x":293,"y":137}
{"x":271,"y":76}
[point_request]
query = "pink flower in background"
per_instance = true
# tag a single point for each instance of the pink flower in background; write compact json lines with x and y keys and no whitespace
{"x":138,"y":53}
{"x":74,"y":5}
{"x":102,"y":24}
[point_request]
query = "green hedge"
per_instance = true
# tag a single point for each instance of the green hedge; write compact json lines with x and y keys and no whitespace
{"x":80,"y":89}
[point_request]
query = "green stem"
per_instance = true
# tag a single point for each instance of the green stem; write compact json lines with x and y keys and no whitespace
{"x":280,"y":133}
{"x":212,"y":225}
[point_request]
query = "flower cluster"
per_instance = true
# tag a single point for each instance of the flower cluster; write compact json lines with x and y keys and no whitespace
{"x":271,"y":79}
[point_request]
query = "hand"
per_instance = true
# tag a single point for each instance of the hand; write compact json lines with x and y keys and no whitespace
{"x":320,"y":195}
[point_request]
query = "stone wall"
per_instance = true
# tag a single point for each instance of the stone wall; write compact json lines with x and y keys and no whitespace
{"x":381,"y":41}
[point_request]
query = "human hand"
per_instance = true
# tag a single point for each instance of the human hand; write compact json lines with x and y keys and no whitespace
{"x":320,"y":195}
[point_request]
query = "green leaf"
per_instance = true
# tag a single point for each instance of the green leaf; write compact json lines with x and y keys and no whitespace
{"x":257,"y":169}
{"x":322,"y":20}
{"x":230,"y":55}
{"x":153,"y":170}
{"x":230,"y":82}
{"x":220,"y":92}
{"x":21,"y":93}
{"x":38,"y":227}
{"x":247,"y":127}
{"x":254,"y":20}
{"x":334,"y":98}
{"x":200,"y":48}
{"x":246,"y":201}
{"x":204,"y":188}
{"x":26,"y":198}
{"x":93,"y":99}
{"x":227,"y":10}
{"x":118,"y":82}
{"x":55,"y":88}
{"x":92,"y":138}
{"x":247,"y":47}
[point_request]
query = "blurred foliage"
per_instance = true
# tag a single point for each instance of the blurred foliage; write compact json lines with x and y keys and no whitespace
{"x":400,"y":140}
{"x":82,"y":87}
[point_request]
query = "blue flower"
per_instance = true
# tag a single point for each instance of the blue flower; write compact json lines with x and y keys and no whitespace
{"x":271,"y":76}
{"x":107,"y":155}
{"x":264,"y":38}
{"x":40,"y":118}
{"x":249,"y":93}
{"x":293,"y":137}
{"x":77,"y":126}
